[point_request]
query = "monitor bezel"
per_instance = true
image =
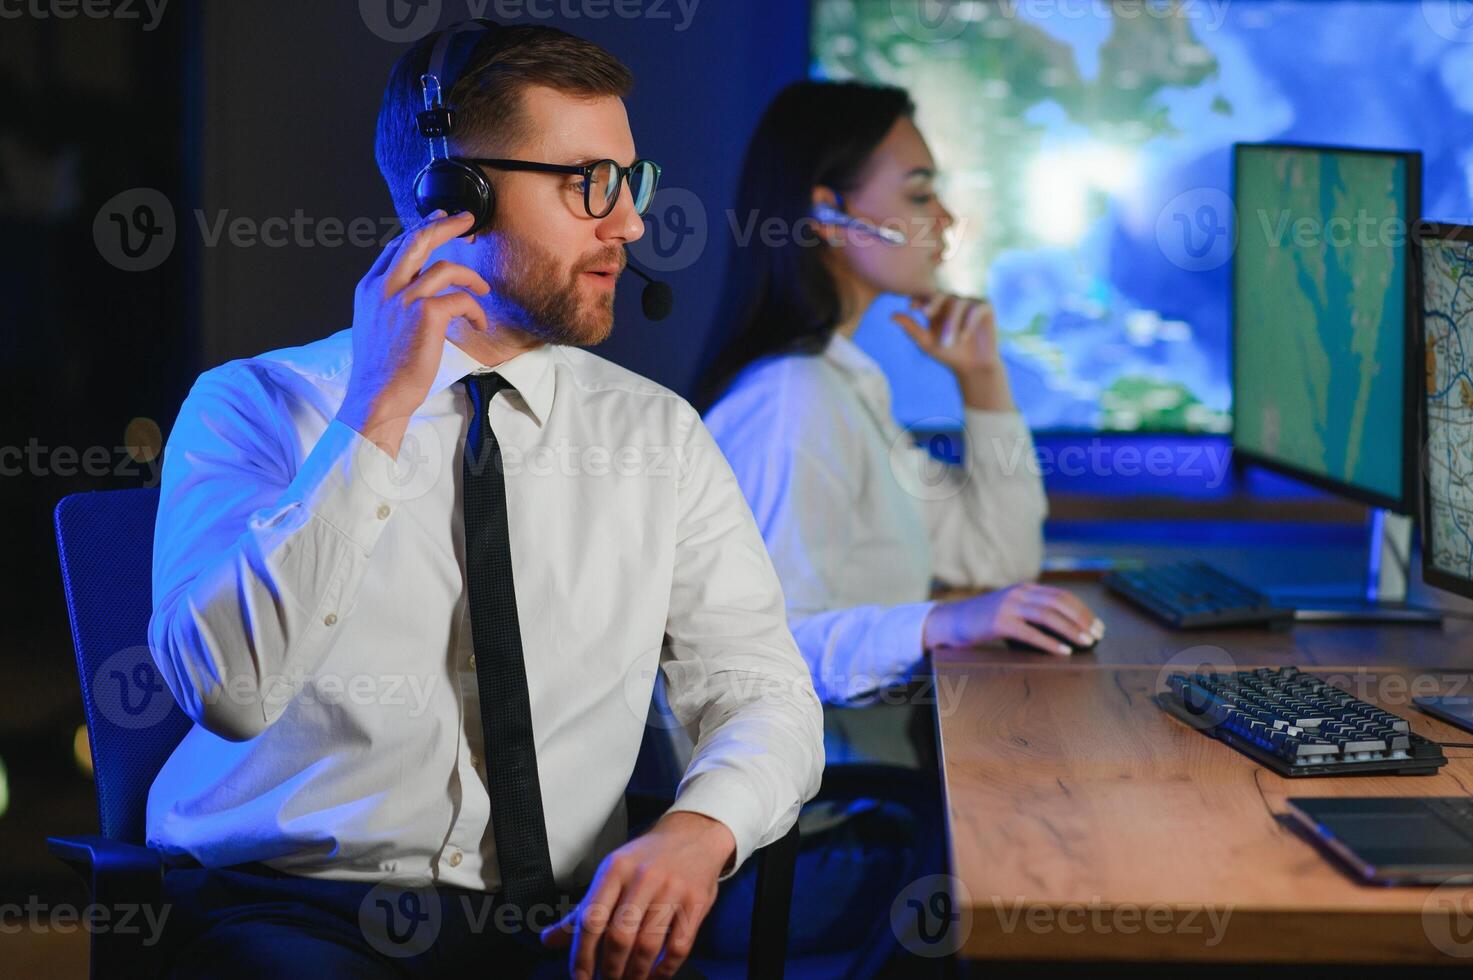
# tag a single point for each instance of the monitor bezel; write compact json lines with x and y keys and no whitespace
{"x":1431,"y":574}
{"x":1406,"y":503}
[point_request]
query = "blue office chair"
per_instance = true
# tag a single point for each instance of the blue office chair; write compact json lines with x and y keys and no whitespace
{"x":105,"y":540}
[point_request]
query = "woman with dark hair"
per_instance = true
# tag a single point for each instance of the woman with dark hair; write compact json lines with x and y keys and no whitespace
{"x":859,"y":521}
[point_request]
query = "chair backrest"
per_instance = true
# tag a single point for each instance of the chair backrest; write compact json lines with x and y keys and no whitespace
{"x":105,"y":540}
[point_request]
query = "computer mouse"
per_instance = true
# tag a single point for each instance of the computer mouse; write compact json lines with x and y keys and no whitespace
{"x":1073,"y":644}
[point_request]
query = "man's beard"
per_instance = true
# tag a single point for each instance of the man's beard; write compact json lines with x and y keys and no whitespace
{"x":529,"y":292}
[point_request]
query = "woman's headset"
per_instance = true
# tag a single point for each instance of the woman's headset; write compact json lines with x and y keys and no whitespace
{"x":446,"y":183}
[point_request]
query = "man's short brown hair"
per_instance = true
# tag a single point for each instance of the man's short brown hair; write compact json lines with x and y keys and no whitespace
{"x":486,"y":97}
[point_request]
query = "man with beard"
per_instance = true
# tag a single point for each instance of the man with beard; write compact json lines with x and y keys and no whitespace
{"x":346,"y":527}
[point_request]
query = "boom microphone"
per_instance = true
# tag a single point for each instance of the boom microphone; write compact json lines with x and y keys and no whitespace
{"x":658,"y":299}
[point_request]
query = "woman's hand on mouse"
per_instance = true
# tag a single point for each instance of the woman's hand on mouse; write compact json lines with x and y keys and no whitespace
{"x":1012,"y":613}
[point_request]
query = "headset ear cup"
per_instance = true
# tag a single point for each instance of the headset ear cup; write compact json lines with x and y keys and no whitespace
{"x":453,"y":186}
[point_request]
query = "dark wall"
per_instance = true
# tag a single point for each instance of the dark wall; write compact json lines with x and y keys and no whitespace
{"x":291,"y":91}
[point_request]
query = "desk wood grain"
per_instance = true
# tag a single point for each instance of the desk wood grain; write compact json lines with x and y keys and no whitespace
{"x":1134,"y":639}
{"x":1087,"y":824}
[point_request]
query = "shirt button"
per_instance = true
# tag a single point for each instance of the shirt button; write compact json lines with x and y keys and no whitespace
{"x":472,"y":661}
{"x":455,"y":859}
{"x":383,"y":511}
{"x":330,"y":618}
{"x":475,"y":762}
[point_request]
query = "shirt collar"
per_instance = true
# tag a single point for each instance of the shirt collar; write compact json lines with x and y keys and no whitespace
{"x":848,"y":355}
{"x":530,"y":373}
{"x":865,"y":374}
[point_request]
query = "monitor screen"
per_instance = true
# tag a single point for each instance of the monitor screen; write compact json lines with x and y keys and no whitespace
{"x":1087,"y":148}
{"x":1447,"y":460}
{"x":1322,"y":288}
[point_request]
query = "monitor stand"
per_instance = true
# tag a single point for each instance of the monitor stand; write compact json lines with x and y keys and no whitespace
{"x":1388,"y":566}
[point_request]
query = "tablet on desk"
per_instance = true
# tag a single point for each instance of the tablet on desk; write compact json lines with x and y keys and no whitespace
{"x":1413,"y":840}
{"x":1457,"y":711}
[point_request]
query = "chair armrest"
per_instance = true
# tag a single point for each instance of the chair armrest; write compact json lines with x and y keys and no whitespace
{"x":92,"y":855}
{"x":127,"y":881}
{"x":772,"y":901}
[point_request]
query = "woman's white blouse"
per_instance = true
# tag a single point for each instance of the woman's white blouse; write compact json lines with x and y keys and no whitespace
{"x":860,"y":520}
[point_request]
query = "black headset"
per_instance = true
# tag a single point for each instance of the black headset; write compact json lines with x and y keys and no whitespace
{"x":446,"y":183}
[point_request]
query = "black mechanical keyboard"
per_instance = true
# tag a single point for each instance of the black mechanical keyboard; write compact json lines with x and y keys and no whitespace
{"x":1194,"y":595}
{"x":1297,"y":724}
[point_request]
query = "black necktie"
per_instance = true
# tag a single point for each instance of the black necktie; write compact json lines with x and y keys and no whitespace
{"x":501,"y":675}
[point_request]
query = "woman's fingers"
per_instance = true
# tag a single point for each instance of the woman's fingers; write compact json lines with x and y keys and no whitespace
{"x":1073,"y":607}
{"x":1021,"y":629}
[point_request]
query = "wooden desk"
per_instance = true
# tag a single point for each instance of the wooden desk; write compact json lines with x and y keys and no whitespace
{"x":1134,"y":639}
{"x":1086,"y":824}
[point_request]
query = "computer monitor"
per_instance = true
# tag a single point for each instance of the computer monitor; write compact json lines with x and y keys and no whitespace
{"x":1445,"y":258}
{"x":1323,"y":312}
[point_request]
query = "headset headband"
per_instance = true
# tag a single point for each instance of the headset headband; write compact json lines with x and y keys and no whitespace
{"x":453,"y":50}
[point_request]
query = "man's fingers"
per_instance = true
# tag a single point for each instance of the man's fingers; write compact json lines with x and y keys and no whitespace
{"x":651,"y":939}
{"x":390,"y":251}
{"x":441,"y":276}
{"x":457,"y":304}
{"x":682,"y":938}
{"x":559,"y":935}
{"x":628,"y":921}
{"x":416,"y":249}
{"x":592,"y":919}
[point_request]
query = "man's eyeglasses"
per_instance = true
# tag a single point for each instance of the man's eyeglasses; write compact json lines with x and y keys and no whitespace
{"x":601,"y":180}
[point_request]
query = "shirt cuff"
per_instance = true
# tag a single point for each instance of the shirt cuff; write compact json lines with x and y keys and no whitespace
{"x":1001,"y":439}
{"x":342,"y":483}
{"x":732,"y":805}
{"x":884,"y":652}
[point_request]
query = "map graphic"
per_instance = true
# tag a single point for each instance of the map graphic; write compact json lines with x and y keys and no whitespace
{"x":1319,"y":348}
{"x":1448,"y":315}
{"x":1087,"y":150}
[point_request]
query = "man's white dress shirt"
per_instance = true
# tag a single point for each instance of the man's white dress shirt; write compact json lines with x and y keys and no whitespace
{"x":860,"y":520}
{"x":310,"y":616}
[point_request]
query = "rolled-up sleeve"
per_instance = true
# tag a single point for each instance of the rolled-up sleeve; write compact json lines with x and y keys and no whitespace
{"x":256,"y":557}
{"x":733,"y":673}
